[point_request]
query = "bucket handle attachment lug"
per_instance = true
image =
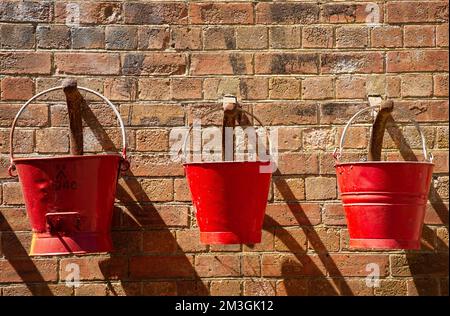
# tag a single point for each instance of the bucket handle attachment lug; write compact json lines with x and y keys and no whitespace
{"x":337,"y":153}
{"x":125,"y":162}
{"x":237,"y":109}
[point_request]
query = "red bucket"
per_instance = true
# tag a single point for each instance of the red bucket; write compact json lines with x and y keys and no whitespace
{"x":230,"y":199}
{"x":384,"y":202}
{"x":69,"y":199}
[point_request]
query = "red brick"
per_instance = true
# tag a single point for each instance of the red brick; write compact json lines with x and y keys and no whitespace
{"x":52,"y":140}
{"x":121,"y":37}
{"x":186,"y":88}
{"x":192,"y":288}
{"x":53,"y":36}
{"x":289,"y":189}
{"x":28,"y":270}
{"x":259,"y":288}
{"x":393,"y":85}
{"x":386,"y":36}
{"x":221,"y":63}
{"x":420,"y":264}
{"x":95,"y":268}
{"x":417,"y":85}
{"x":283,"y":113}
{"x":292,"y":214}
{"x":291,"y":239}
{"x":318,"y":88}
{"x":286,"y":63}
{"x":358,"y":62}
{"x":252,"y":37}
{"x":355,"y":264}
{"x":157,"y":63}
{"x":226,"y":288}
{"x":323,"y":239}
{"x":159,"y":241}
{"x":94,"y":289}
{"x":23,"y":141}
{"x":152,"y":140}
{"x":90,"y":37}
{"x":426,"y":111}
{"x":155,"y":13}
{"x":293,"y":163}
{"x":16,"y":36}
{"x":429,"y":287}
{"x":285,"y":37}
{"x":287,"y":13}
{"x":416,"y":11}
{"x":189,"y":241}
{"x":319,"y":138}
{"x":254,"y":88}
{"x":25,"y":63}
{"x":160,"y":288}
{"x":442,"y":35}
{"x":441,"y":85}
{"x":181,"y":190}
{"x":120,"y":89}
{"x":12,"y":193}
{"x":352,"y":37}
{"x":415,"y":61}
{"x":351,"y":13}
{"x":178,"y":266}
{"x":317,"y":36}
{"x":15,"y":244}
{"x":339,"y":112}
{"x":419,"y":36}
{"x":87,"y":63}
{"x":157,"y":115}
{"x":38,"y":290}
{"x":289,"y":138}
{"x":351,"y":87}
{"x":14,"y":219}
{"x":156,"y":216}
{"x":219,"y":37}
{"x":284,"y":88}
{"x":150,"y":38}
{"x":187,"y":38}
{"x":333,"y":214}
{"x":320,"y":188}
{"x":99,"y":12}
{"x":127,"y":242}
{"x":251,"y":265}
{"x":221,"y":13}
{"x":29,"y":11}
{"x":217,"y":265}
{"x":292,"y":287}
{"x":290,"y":265}
{"x":266,"y":243}
{"x":154,"y":89}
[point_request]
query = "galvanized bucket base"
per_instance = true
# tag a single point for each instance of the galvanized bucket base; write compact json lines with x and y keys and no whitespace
{"x":384,"y":244}
{"x":218,"y":238}
{"x":77,"y":243}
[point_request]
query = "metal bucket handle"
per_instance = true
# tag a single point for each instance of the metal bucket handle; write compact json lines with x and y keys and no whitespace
{"x":338,"y":151}
{"x":12,"y":166}
{"x":217,"y":110}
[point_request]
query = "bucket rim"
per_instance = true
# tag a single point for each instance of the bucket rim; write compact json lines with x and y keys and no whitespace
{"x":224,"y":162}
{"x":69,"y":157}
{"x":384,"y":163}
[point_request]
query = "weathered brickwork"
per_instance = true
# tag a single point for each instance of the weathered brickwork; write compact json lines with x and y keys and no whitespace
{"x":303,"y":66}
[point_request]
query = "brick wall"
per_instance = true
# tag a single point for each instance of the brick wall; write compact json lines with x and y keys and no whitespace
{"x":303,"y":66}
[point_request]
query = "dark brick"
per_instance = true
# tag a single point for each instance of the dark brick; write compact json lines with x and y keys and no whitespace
{"x":121,"y":37}
{"x":88,"y":37}
{"x":54,"y":36}
{"x":16,"y":36}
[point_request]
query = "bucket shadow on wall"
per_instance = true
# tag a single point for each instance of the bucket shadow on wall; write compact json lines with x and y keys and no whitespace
{"x":305,"y":276}
{"x":429,"y":266}
{"x":17,"y":258}
{"x":158,"y":273}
